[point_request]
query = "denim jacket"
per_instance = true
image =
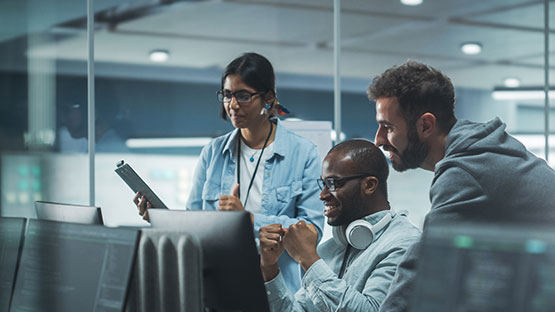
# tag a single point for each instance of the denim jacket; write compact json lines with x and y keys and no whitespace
{"x":289,"y":188}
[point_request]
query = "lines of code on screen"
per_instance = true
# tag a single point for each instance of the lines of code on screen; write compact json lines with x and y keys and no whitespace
{"x":472,"y":268}
{"x":74,"y":267}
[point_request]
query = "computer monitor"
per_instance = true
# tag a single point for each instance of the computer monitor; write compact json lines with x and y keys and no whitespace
{"x":68,"y":212}
{"x":485,"y":267}
{"x":11,"y":239}
{"x":74,"y":267}
{"x":231,"y":273}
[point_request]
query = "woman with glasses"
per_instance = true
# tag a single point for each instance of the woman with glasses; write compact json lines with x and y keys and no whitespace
{"x":260,"y":167}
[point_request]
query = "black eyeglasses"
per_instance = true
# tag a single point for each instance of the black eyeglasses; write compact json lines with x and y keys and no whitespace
{"x":242,"y":96}
{"x":333,"y":183}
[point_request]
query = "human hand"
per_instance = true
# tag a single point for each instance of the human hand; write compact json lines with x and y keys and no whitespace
{"x":271,"y":245}
{"x":271,"y":248}
{"x":142,"y":205}
{"x":231,"y":202}
{"x":300,"y":241}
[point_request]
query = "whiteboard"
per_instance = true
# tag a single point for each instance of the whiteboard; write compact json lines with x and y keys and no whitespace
{"x":319,"y":132}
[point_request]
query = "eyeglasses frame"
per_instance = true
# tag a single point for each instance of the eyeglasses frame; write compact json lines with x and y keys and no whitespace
{"x":223,"y":101}
{"x":323,"y":182}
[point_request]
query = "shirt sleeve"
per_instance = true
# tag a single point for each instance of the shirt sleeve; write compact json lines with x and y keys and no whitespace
{"x":199,"y":177}
{"x":400,"y":291}
{"x":327,"y":292}
{"x":280,"y":298}
{"x":322,"y":290}
{"x":308,"y":205}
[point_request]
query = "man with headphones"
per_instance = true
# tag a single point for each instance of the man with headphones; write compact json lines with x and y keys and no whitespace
{"x":353,"y":270}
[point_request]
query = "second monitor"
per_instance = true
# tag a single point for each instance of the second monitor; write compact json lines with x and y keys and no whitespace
{"x":232,"y":277}
{"x":68,"y":213}
{"x":74,"y":267}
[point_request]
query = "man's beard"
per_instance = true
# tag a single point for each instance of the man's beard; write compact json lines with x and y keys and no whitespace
{"x":415,"y":153}
{"x":352,"y":208}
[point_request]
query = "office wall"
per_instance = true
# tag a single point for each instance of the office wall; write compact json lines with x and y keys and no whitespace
{"x":150,"y":108}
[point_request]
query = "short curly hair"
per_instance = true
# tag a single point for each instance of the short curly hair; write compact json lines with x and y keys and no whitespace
{"x":419,"y":88}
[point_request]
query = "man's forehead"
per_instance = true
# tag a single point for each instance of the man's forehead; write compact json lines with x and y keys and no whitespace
{"x":338,"y":162}
{"x":387,"y":103}
{"x":387,"y":109}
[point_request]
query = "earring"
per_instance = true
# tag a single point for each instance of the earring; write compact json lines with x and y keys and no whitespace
{"x":267,"y":106}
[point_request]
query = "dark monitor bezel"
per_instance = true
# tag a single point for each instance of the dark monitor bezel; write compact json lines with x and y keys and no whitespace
{"x":231,"y":272}
{"x":22,"y":222}
{"x":63,"y":212}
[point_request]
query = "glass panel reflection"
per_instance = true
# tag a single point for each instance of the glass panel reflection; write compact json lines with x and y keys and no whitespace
{"x":33,"y":91}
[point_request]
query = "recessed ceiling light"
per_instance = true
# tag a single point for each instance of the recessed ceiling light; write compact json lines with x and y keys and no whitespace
{"x":511,"y":82}
{"x":167,"y":142}
{"x":159,"y":55}
{"x":471,"y":48}
{"x":411,"y":2}
{"x":520,"y":94}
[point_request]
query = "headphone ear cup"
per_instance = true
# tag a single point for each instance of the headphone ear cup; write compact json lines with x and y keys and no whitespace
{"x":339,"y":235}
{"x":359,"y":234}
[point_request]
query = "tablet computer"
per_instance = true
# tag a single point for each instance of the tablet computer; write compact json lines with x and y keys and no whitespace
{"x":137,"y":184}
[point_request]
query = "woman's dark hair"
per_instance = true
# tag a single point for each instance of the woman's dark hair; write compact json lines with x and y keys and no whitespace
{"x":255,"y":70}
{"x":419,"y":88}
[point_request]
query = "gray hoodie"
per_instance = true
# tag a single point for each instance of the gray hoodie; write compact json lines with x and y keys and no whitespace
{"x":486,"y":175}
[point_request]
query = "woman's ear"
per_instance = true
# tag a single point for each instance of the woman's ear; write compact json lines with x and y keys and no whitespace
{"x":269,"y":105}
{"x":269,"y":98}
{"x":369,"y":185}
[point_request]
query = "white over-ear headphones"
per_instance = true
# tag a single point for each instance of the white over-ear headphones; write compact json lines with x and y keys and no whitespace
{"x":360,"y":233}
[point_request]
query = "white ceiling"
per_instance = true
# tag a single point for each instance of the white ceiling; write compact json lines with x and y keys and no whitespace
{"x":297,"y":36}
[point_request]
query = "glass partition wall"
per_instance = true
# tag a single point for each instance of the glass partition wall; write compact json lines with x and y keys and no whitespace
{"x":160,"y":63}
{"x":483,"y":46}
{"x":157,"y":67}
{"x":43,"y":104}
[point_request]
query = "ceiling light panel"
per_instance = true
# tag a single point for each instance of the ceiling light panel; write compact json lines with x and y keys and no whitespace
{"x":511,"y":82}
{"x":411,"y":2}
{"x":471,"y":48}
{"x":159,"y":56}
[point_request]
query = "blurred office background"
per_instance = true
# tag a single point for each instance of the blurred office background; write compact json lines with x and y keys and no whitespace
{"x":157,"y":67}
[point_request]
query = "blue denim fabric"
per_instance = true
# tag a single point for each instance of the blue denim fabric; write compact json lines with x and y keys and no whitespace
{"x":367,"y":277}
{"x":290,"y":191}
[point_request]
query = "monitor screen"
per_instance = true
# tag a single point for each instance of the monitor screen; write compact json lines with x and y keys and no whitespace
{"x":68,"y":212}
{"x":485,"y":267}
{"x":11,"y":234}
{"x":232,"y":277}
{"x":74,"y":267}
